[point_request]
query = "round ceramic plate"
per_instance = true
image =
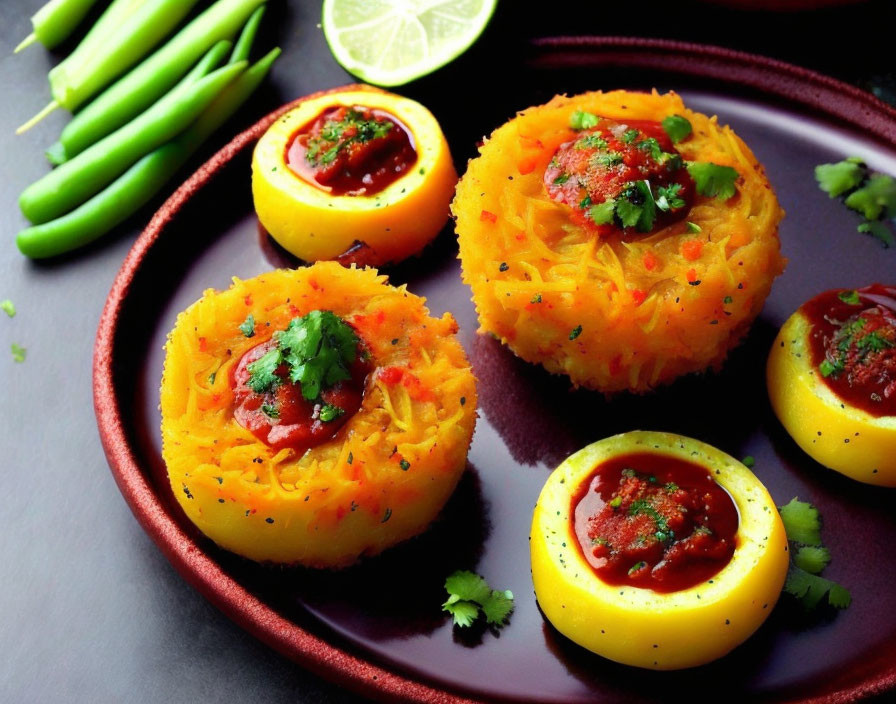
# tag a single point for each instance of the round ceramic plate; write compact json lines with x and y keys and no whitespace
{"x":378,"y":628}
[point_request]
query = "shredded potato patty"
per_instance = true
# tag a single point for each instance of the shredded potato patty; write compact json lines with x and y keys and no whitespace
{"x":621,"y":311}
{"x":382,"y":478}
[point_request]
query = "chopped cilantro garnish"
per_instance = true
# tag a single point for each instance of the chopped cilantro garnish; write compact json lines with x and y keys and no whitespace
{"x":503,"y":266}
{"x":629,"y":136}
{"x":585,"y":202}
{"x":879,"y":231}
{"x":576,"y":331}
{"x":324,"y":149}
{"x":602,"y":213}
{"x":211,"y":378}
{"x":318,"y":347}
{"x":468,"y":593}
{"x":405,"y":465}
{"x":727,"y":300}
{"x":616,"y":502}
{"x":581,"y":120}
{"x":749,"y":461}
{"x":693,"y":227}
{"x":842,"y":177}
{"x":536,"y":298}
{"x":636,"y":206}
{"x":876,"y":199}
{"x":677,"y":127}
{"x":827,"y":368}
{"x":667,"y":197}
{"x":329,"y":412}
{"x":850,"y":297}
{"x":18,"y":353}
{"x":561,"y":179}
{"x":248,"y":327}
{"x":803,"y":527}
{"x":591,"y":141}
{"x":607,"y":160}
{"x":262,"y":376}
{"x":642,"y":506}
{"x":652,"y":147}
{"x":270,"y":410}
{"x":7,"y":307}
{"x":637,"y":566}
{"x":712,"y":180}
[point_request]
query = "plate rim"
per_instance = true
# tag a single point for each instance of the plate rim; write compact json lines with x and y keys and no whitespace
{"x":845,"y":103}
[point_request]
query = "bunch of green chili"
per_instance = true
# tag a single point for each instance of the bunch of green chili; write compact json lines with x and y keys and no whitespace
{"x":119,"y":171}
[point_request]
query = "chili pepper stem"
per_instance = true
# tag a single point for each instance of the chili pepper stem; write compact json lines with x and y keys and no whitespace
{"x":37,"y":118}
{"x":25,"y":43}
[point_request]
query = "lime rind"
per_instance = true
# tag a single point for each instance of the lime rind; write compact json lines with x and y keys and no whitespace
{"x":392,"y":42}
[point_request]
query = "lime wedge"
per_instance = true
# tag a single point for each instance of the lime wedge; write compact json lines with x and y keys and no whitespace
{"x":391,"y":42}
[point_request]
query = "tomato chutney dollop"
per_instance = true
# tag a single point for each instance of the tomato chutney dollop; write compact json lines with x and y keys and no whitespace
{"x":351,"y":150}
{"x":654,"y":521}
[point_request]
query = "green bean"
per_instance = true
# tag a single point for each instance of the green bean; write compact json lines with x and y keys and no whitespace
{"x":56,"y":154}
{"x":143,"y":180}
{"x":140,"y":88}
{"x":75,"y":181}
{"x":247,"y":37}
{"x":54,"y":22}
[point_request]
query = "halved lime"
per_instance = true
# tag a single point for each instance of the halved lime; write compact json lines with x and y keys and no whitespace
{"x":391,"y":42}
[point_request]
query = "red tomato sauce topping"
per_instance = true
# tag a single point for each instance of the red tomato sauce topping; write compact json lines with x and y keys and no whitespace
{"x":282,"y":417}
{"x":608,"y":162}
{"x":654,"y":521}
{"x":853,"y":345}
{"x":353,"y":151}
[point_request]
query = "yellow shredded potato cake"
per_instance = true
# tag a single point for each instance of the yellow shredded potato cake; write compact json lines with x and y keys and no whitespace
{"x":385,"y":474}
{"x":613,"y":308}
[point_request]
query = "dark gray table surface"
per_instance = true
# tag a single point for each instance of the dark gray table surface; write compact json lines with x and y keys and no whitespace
{"x":91,"y":610}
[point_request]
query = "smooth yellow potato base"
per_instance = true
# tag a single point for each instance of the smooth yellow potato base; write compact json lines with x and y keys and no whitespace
{"x":640,"y":627}
{"x":348,"y":496}
{"x":833,"y":433}
{"x":396,"y":222}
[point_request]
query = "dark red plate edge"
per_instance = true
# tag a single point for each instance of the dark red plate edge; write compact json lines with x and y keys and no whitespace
{"x":844,"y":102}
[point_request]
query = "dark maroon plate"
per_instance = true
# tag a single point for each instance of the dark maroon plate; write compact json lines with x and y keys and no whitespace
{"x":378,"y":628}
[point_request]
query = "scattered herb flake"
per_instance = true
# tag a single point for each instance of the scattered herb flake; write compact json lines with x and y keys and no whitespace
{"x":629,"y":136}
{"x":270,"y":410}
{"x":18,"y":353}
{"x":7,"y":307}
{"x":561,"y":179}
{"x":850,"y":297}
{"x":248,"y":326}
{"x":536,"y":298}
{"x":581,"y":120}
{"x":576,"y":331}
{"x":677,"y":127}
{"x":503,"y":266}
{"x":405,"y":465}
{"x":329,"y":412}
{"x":749,"y":461}
{"x":211,"y":378}
{"x":693,"y":227}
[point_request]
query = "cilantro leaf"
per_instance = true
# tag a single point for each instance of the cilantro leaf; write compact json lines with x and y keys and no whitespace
{"x":677,"y":127}
{"x":801,"y":522}
{"x":248,"y":327}
{"x":812,"y":558}
{"x":602,"y":213}
{"x":270,"y":411}
{"x":636,"y":207}
{"x":262,"y":376}
{"x":7,"y":307}
{"x":842,"y":177}
{"x":629,"y":136}
{"x":464,"y":612}
{"x":810,"y":589}
{"x":693,"y":227}
{"x":467,"y":586}
{"x":879,"y":231}
{"x":712,"y":180}
{"x":467,"y":592}
{"x":875,"y":199}
{"x":498,"y":607}
{"x":581,"y":120}
{"x":652,"y":147}
{"x":591,"y":141}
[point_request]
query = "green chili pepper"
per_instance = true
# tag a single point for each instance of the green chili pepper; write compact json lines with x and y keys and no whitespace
{"x":143,"y":180}
{"x":140,"y":88}
{"x":55,"y":21}
{"x":69,"y":185}
{"x":120,"y":49}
